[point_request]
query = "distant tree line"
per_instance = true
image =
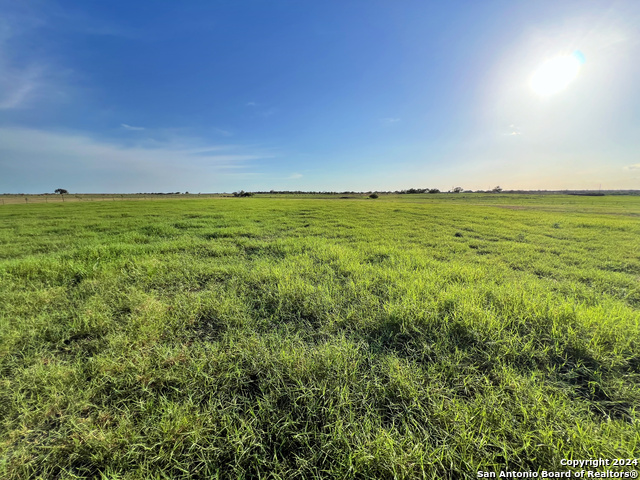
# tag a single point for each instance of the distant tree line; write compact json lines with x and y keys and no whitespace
{"x":419,"y":190}
{"x":161,"y":193}
{"x":497,"y":189}
{"x":63,"y":191}
{"x":346,"y":192}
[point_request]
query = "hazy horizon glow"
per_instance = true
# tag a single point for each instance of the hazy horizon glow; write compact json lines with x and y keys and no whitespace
{"x":218,"y":96}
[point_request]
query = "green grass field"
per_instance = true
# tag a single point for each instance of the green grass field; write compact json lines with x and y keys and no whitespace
{"x":414,"y":336}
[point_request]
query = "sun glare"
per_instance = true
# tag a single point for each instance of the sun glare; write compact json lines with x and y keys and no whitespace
{"x":554,"y":75}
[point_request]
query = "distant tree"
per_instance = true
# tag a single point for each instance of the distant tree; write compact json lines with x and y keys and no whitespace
{"x":458,"y":190}
{"x":61,"y":191}
{"x":497,"y":189}
{"x":434,"y":190}
{"x":242,"y":193}
{"x":373,"y":195}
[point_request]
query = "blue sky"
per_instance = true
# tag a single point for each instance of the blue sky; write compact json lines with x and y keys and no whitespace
{"x":212,"y":96}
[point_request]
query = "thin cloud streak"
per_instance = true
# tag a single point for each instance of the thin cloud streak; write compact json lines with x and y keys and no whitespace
{"x":224,"y":133}
{"x":17,"y":81}
{"x":15,"y":95}
{"x":129,"y":127}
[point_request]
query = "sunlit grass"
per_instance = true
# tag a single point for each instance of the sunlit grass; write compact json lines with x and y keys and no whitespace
{"x":402,"y":337}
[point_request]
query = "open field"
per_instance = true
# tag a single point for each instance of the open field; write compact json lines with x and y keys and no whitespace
{"x":414,"y":336}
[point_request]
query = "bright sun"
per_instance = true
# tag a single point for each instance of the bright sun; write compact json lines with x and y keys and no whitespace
{"x":555,"y":74}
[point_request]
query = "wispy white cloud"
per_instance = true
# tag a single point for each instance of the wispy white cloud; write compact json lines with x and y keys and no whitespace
{"x":34,"y":76}
{"x":129,"y":127}
{"x":633,"y":167}
{"x":17,"y":78}
{"x":26,"y":78}
{"x":32,"y":159}
{"x":16,"y":86}
{"x":251,"y":104}
{"x":51,"y":14}
{"x":294,"y":176}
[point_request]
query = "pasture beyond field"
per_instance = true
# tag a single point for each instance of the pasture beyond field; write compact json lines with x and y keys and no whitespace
{"x":414,"y":336}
